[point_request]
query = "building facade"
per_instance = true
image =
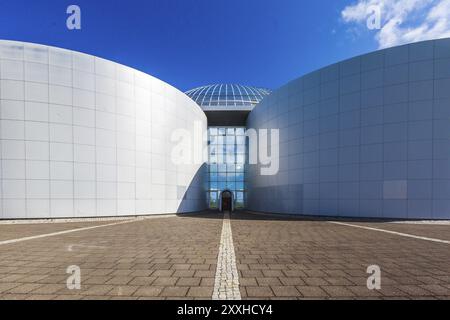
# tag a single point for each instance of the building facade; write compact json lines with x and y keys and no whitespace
{"x":367,"y":137}
{"x":81,"y":136}
{"x":227,"y":108}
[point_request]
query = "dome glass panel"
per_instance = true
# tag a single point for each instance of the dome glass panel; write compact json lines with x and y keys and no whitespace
{"x":232,"y":95}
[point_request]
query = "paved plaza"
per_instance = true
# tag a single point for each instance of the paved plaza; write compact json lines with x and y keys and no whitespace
{"x":212,"y":256}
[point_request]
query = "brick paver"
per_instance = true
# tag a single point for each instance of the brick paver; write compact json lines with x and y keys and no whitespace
{"x":276,"y":257}
{"x":156,"y":258}
{"x":280,"y":256}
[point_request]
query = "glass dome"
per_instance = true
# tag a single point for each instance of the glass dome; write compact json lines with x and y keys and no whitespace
{"x":229,"y":95}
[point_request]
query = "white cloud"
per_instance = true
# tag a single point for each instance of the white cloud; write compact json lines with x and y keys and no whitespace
{"x":403,"y":21}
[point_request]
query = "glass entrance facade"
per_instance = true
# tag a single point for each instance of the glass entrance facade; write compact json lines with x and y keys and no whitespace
{"x":226,"y":167}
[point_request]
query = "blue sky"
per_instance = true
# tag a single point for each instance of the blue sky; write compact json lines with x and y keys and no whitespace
{"x":189,"y":43}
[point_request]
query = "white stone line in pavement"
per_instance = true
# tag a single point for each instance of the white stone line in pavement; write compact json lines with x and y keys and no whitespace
{"x":78,"y":220}
{"x":65,"y":232}
{"x":391,"y":232}
{"x":425,"y":222}
{"x":226,"y":285}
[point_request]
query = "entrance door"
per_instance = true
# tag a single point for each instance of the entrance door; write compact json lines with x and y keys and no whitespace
{"x":227,"y":201}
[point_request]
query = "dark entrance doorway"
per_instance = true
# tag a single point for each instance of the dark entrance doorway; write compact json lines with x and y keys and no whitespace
{"x":227,"y":198}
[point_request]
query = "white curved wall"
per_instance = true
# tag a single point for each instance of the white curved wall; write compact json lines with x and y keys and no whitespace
{"x":82,"y":136}
{"x":367,"y":137}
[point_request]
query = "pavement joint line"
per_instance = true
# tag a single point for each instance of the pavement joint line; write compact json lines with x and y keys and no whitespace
{"x":47,"y":235}
{"x":226,"y":284}
{"x":391,"y":232}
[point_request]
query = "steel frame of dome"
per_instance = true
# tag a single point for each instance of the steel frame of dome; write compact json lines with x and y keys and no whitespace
{"x":228,"y":95}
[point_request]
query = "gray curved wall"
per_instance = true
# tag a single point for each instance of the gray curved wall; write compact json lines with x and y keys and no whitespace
{"x":367,"y":137}
{"x":82,"y":136}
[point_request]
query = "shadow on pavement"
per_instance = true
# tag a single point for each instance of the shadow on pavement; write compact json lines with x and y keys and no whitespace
{"x":248,"y":215}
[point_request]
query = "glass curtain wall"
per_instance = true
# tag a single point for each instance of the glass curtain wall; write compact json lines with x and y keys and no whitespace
{"x":226,"y":167}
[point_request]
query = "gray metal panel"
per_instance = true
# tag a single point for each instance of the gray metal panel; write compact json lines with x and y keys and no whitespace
{"x":375,"y":137}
